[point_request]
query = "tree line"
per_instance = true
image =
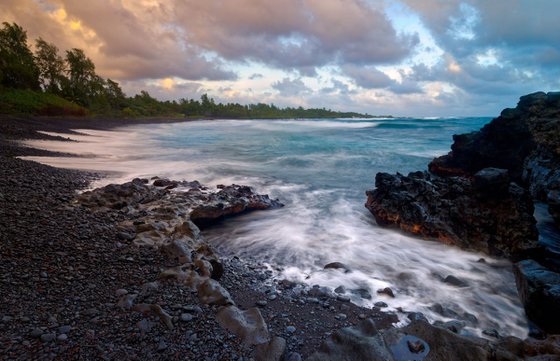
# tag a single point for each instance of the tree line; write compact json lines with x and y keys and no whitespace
{"x":49,"y":83}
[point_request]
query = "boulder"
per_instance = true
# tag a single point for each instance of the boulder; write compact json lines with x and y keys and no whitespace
{"x":460,"y":211}
{"x":177,"y":251}
{"x":356,"y":343}
{"x":539,"y":289}
{"x":248,"y":325}
{"x":229,"y":201}
{"x":210,"y":292}
{"x":272,"y":351}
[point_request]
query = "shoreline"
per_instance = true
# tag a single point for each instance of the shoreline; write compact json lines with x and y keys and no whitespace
{"x":80,"y":265}
{"x":90,"y":252}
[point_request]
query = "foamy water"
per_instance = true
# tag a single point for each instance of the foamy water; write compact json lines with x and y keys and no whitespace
{"x":320,"y":170}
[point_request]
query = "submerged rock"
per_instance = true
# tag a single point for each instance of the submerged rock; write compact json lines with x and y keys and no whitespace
{"x":457,"y":210}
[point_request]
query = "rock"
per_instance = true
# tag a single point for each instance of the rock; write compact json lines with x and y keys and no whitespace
{"x":341,"y":316}
{"x":417,"y":316}
{"x":363,"y":293}
{"x":380,"y":304}
{"x":454,"y":281}
{"x":340,"y":289}
{"x":420,"y":339}
{"x":386,"y":291}
{"x":121,"y":292}
{"x":293,"y":356}
{"x":126,"y":301}
{"x":361,"y":342}
{"x":337,"y":265}
{"x":248,"y":325}
{"x":62,"y":337}
{"x":36,"y":332}
{"x":539,"y":290}
{"x":491,"y":332}
{"x":272,"y":351}
{"x":155,"y":309}
{"x":212,"y":293}
{"x":186,"y":317}
{"x":64,"y":329}
{"x":261,"y":303}
{"x":177,"y":251}
{"x":48,"y":337}
{"x":343,"y":298}
{"x":228,"y":201}
{"x":163,"y":182}
{"x":290,"y":329}
{"x":125,"y":236}
{"x":492,"y":182}
{"x":217,"y":269}
{"x":453,"y":211}
{"x":161,"y":346}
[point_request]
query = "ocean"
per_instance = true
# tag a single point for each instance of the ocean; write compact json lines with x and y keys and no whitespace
{"x":320,"y":169}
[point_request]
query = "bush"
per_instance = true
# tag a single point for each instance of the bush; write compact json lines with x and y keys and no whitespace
{"x":17,"y":101}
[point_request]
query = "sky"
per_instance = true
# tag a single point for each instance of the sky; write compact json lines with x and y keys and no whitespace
{"x":398,"y":57}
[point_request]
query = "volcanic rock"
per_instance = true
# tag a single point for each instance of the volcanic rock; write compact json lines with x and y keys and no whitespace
{"x":457,"y":210}
{"x":248,"y":325}
{"x":539,"y":289}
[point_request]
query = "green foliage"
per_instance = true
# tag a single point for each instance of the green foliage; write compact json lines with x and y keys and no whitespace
{"x":17,"y":66}
{"x":24,"y":101}
{"x":51,"y":67}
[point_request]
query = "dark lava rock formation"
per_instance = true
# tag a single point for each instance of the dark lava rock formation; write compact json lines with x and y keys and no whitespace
{"x":480,"y":197}
{"x":457,"y":211}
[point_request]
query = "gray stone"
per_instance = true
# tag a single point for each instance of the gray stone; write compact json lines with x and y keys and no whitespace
{"x":248,"y":325}
{"x":48,"y":337}
{"x":36,"y":333}
{"x":271,"y":351}
{"x":454,"y":281}
{"x":186,"y":317}
{"x":62,"y":337}
{"x":361,"y":342}
{"x":290,"y":329}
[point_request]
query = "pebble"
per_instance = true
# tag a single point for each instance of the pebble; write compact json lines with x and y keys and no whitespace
{"x":37,"y":332}
{"x":341,"y":316}
{"x":48,"y":337}
{"x":290,"y":329}
{"x":62,"y":337}
{"x":362,"y":316}
{"x":272,"y":297}
{"x":121,"y":292}
{"x":161,"y":345}
{"x":261,"y":303}
{"x":7,"y":318}
{"x":64,"y":329}
{"x":186,"y":317}
{"x":44,"y":274}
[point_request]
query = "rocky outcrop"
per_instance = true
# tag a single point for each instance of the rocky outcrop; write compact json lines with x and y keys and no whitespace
{"x":479,"y":196}
{"x":485,"y":213}
{"x":230,"y":200}
{"x":422,"y":341}
{"x":524,"y":140}
{"x":539,"y":289}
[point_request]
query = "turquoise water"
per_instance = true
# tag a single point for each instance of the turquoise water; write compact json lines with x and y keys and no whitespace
{"x":320,"y":169}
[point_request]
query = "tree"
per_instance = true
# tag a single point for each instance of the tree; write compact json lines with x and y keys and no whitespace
{"x":84,"y":83}
{"x":17,"y":65}
{"x":114,"y":94}
{"x":51,"y":67}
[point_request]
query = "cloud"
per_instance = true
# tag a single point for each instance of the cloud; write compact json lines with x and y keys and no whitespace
{"x":367,"y":77}
{"x":290,"y":87}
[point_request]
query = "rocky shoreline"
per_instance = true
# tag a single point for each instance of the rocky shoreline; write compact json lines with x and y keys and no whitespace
{"x":480,"y":197}
{"x":122,"y":273}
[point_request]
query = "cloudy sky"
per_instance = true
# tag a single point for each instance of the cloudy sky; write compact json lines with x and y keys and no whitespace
{"x":400,"y":57}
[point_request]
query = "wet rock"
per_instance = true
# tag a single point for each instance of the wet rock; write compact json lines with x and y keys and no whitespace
{"x":343,"y":298}
{"x":36,"y":332}
{"x":417,"y":316}
{"x":217,"y":269}
{"x":363,"y":293}
{"x":361,"y":342}
{"x":228,"y":201}
{"x":271,"y":351}
{"x":340,"y":290}
{"x":453,"y":211}
{"x":539,"y":289}
{"x":337,"y":265}
{"x":380,"y":304}
{"x":386,"y":291}
{"x":212,"y":293}
{"x":454,"y":281}
{"x":261,"y":303}
{"x":164,"y":182}
{"x":438,"y":343}
{"x":290,"y":329}
{"x":248,"y":325}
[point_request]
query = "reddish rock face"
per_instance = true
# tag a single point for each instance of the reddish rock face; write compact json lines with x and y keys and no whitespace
{"x":458,"y":211}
